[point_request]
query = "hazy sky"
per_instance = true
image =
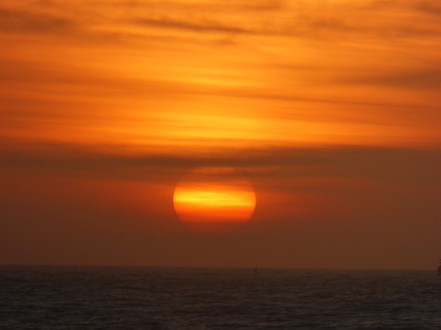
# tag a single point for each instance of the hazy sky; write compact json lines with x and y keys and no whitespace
{"x":330,"y":108}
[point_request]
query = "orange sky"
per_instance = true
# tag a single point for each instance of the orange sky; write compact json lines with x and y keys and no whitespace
{"x":331,"y":108}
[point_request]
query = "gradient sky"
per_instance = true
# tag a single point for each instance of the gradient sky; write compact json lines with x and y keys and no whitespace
{"x":330,"y":108}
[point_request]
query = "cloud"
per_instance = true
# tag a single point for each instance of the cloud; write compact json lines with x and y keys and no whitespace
{"x":20,"y":21}
{"x":429,"y":8}
{"x":316,"y":19}
{"x":206,"y":26}
{"x":425,"y":79}
{"x":376,"y":163}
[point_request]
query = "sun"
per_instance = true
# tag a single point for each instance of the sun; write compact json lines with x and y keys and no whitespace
{"x":214,"y":199}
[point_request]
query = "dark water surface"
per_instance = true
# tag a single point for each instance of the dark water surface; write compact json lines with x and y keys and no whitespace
{"x":47,"y":297}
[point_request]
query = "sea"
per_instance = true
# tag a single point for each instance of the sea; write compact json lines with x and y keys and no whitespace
{"x":68,"y":297}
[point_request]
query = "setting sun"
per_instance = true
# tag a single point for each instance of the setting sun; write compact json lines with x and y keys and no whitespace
{"x":214,"y":199}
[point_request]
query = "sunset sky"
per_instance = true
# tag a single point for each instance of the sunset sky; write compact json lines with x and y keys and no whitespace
{"x":330,"y":108}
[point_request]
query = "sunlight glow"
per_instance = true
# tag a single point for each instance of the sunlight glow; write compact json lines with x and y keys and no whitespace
{"x":214,"y":195}
{"x":214,"y":199}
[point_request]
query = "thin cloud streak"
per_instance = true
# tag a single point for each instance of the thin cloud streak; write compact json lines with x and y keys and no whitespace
{"x":338,"y":161}
{"x":424,"y":79}
{"x":316,"y":19}
{"x":201,"y":27}
{"x":20,"y":21}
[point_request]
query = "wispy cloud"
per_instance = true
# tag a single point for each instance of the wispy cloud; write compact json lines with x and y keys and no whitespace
{"x":350,"y":162}
{"x":425,"y":79}
{"x":21,"y":21}
{"x":200,"y":27}
{"x":316,"y":19}
{"x":265,"y":58}
{"x":429,"y":7}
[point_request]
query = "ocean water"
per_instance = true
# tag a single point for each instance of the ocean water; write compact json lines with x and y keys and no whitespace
{"x":46,"y":297}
